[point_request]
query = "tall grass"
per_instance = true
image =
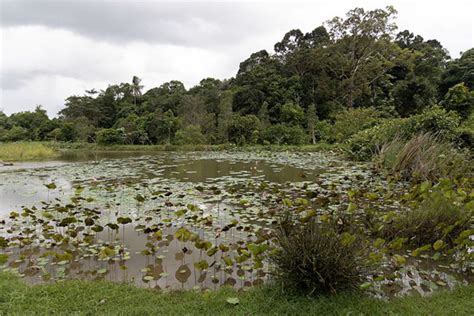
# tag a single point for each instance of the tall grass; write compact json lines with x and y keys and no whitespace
{"x":423,"y":157}
{"x":25,"y":151}
{"x":314,"y":259}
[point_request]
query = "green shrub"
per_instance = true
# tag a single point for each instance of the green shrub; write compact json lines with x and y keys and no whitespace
{"x":423,"y":157}
{"x":244,"y":130}
{"x":190,"y":135}
{"x":466,"y":133}
{"x":366,"y":143}
{"x":323,"y":131}
{"x":313,"y":258}
{"x":436,"y":218}
{"x":110,"y":136}
{"x":282,"y":134}
{"x":16,"y":133}
{"x":349,"y":122}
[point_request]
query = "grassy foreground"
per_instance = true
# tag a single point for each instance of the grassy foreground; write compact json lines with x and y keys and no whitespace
{"x":79,"y":297}
{"x":25,"y":151}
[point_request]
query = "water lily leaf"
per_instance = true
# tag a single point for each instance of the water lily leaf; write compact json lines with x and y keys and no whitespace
{"x":201,"y":265}
{"x":400,"y":260}
{"x":124,"y":220}
{"x":183,"y":273}
{"x":51,"y":186}
{"x":439,"y":244}
{"x":233,"y":301}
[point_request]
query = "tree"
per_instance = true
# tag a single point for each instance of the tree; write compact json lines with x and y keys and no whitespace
{"x":311,"y":122}
{"x":224,"y":117}
{"x":361,"y":51}
{"x":136,"y":89}
{"x":457,"y":71}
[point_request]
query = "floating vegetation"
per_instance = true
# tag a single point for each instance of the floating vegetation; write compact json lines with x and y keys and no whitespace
{"x":203,"y":220}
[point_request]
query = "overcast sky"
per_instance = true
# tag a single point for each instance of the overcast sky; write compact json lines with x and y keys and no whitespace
{"x":51,"y":49}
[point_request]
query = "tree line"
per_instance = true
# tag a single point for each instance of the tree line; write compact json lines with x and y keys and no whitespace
{"x":289,"y":96}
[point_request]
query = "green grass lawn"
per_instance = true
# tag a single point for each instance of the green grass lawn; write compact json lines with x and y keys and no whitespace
{"x":78,"y":297}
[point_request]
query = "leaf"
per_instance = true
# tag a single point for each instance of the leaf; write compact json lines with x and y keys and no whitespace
{"x":147,"y":278}
{"x":439,"y":244}
{"x":201,"y":265}
{"x":102,"y":271}
{"x":51,"y":186}
{"x":400,"y":260}
{"x":124,"y":220}
{"x":233,"y":300}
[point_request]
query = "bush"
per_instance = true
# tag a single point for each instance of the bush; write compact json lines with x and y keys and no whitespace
{"x":244,"y":130}
{"x":366,"y":143}
{"x":466,"y":133}
{"x":17,"y":133}
{"x":190,"y":135}
{"x":324,"y":131}
{"x":314,"y":259}
{"x":436,"y":218}
{"x":282,"y":134}
{"x":349,"y":122}
{"x":110,"y":136}
{"x":423,"y":157}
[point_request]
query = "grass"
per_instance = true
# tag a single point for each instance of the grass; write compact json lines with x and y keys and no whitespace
{"x":423,"y":157}
{"x":25,"y":151}
{"x":79,"y":297}
{"x":314,"y":259}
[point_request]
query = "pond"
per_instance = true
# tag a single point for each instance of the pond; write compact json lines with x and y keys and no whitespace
{"x":167,"y":220}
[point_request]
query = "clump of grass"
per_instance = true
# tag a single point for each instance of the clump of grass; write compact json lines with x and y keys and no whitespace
{"x":25,"y":151}
{"x":435,"y":218}
{"x":423,"y":157}
{"x":314,"y":259}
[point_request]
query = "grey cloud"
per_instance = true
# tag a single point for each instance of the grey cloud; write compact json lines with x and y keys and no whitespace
{"x":183,"y":24}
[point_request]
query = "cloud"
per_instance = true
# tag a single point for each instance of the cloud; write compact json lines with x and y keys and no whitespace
{"x":184,"y":24}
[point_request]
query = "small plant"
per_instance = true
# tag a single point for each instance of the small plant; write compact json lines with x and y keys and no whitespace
{"x":436,"y":218}
{"x":423,"y":157}
{"x":314,"y":259}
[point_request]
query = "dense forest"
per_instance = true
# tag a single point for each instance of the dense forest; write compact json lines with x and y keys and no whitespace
{"x":344,"y":80}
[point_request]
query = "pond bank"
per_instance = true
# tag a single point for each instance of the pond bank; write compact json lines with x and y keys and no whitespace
{"x":28,"y":151}
{"x":79,"y":297}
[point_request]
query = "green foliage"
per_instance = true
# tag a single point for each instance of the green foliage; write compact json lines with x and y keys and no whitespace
{"x":466,"y":132}
{"x":313,"y":258}
{"x":25,"y":151}
{"x":191,"y":134}
{"x":439,"y":216}
{"x":460,"y":99}
{"x":364,"y":144}
{"x":351,"y":121}
{"x":423,"y":157}
{"x":282,"y":134}
{"x":110,"y":136}
{"x":244,"y":130}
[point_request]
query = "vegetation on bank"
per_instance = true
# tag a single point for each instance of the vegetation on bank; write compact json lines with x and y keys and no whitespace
{"x":26,"y":151}
{"x":79,"y":297}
